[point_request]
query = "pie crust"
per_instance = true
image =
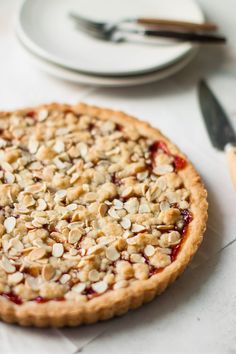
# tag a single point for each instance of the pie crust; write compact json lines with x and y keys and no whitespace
{"x":99,"y":213}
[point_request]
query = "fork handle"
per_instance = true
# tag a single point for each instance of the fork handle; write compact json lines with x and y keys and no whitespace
{"x":186,"y":36}
{"x":207,"y":26}
{"x":231,"y":157}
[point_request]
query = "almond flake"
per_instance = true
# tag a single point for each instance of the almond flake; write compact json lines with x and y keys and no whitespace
{"x":9,"y":177}
{"x":91,"y":197}
{"x":93,"y":275}
{"x":144,"y":208}
{"x":65,"y":278}
{"x":127,"y":192}
{"x":15,"y":278}
{"x":42,"y":205}
{"x":83,"y":149}
{"x":132,"y":241}
{"x":105,"y":240}
{"x":138,"y":228}
{"x":125,"y":223}
{"x":3,"y":143}
{"x":75,"y":177}
{"x":165,"y":227}
{"x":112,"y":254}
{"x":48,"y":272}
{"x":102,"y":209}
{"x":74,"y":236}
{"x":57,"y":250}
{"x":141,"y":176}
{"x":59,"y":164}
{"x":42,"y":115}
{"x":59,"y":146}
{"x":7,"y":265}
{"x":164,"y":206}
{"x":10,"y":224}
{"x":28,"y":200}
{"x":6,"y":166}
{"x":71,"y":207}
{"x":33,"y":146}
{"x":62,"y":131}
{"x":118,"y":204}
{"x":149,"y":250}
{"x":36,"y":254}
{"x":79,"y":288}
{"x":73,"y":252}
{"x":60,"y":195}
{"x":100,"y":287}
{"x":113,"y":213}
{"x":163,"y":169}
{"x":33,"y":282}
{"x":132,"y":205}
{"x":41,"y":220}
{"x":95,"y":249}
{"x":136,"y":258}
{"x":127,"y":234}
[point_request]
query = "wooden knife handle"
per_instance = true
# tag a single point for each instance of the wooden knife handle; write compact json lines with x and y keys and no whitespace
{"x":231,"y":157}
{"x":207,"y":26}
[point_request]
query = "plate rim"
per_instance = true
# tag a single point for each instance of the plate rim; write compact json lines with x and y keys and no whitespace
{"x":42,"y":53}
{"x":81,"y":78}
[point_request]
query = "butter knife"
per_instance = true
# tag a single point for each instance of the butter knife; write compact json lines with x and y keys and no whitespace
{"x":218,"y":125}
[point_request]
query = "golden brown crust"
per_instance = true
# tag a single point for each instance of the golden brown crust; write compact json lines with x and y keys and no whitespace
{"x":118,"y":302}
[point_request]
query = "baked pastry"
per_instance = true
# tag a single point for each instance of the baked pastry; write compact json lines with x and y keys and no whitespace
{"x":99,"y":212}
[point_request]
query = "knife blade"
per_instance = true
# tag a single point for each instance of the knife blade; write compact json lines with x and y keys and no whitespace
{"x":217,"y":123}
{"x":218,"y":126}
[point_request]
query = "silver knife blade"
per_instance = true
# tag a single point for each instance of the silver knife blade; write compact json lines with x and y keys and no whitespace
{"x":217,"y":123}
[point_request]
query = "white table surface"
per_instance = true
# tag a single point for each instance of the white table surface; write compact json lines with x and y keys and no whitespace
{"x":197,"y":314}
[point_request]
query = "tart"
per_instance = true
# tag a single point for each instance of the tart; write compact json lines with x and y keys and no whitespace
{"x":99,"y":213}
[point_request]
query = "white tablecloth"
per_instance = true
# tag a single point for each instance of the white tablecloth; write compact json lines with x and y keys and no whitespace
{"x":197,"y":313}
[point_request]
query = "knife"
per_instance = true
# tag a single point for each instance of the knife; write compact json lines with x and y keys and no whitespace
{"x":218,"y":125}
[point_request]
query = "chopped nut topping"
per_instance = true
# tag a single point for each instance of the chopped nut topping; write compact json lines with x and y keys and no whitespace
{"x":74,"y":236}
{"x":37,"y":254}
{"x":112,"y":253}
{"x":86,"y":205}
{"x":149,"y":250}
{"x":48,"y":272}
{"x":10,"y":224}
{"x":57,"y":250}
{"x":7,"y":265}
{"x":125,"y":223}
{"x":93,"y":275}
{"x":15,"y":278}
{"x":100,"y":287}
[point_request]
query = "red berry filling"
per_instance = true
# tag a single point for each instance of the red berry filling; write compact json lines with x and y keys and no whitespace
{"x":179,"y":163}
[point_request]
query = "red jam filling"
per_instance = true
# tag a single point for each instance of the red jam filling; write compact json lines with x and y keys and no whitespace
{"x":18,"y":301}
{"x":42,"y":300}
{"x":115,"y":180}
{"x":174,"y":252}
{"x":179,"y":163}
{"x":13,"y":298}
{"x":187,"y":218}
{"x":90,"y":292}
{"x":31,"y":114}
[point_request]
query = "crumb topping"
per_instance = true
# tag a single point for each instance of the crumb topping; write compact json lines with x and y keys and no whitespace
{"x":86,"y":206}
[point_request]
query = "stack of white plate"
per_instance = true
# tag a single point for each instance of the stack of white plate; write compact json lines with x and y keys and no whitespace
{"x":52,"y":40}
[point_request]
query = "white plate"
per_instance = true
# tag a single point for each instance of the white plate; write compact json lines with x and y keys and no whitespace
{"x":104,"y":81}
{"x":45,"y":28}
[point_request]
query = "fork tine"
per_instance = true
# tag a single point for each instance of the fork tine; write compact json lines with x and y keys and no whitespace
{"x":85,"y":21}
{"x":92,"y":32}
{"x":89,"y":26}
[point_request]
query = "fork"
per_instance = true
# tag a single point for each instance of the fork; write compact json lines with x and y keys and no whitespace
{"x":161,"y":23}
{"x":114,"y":33}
